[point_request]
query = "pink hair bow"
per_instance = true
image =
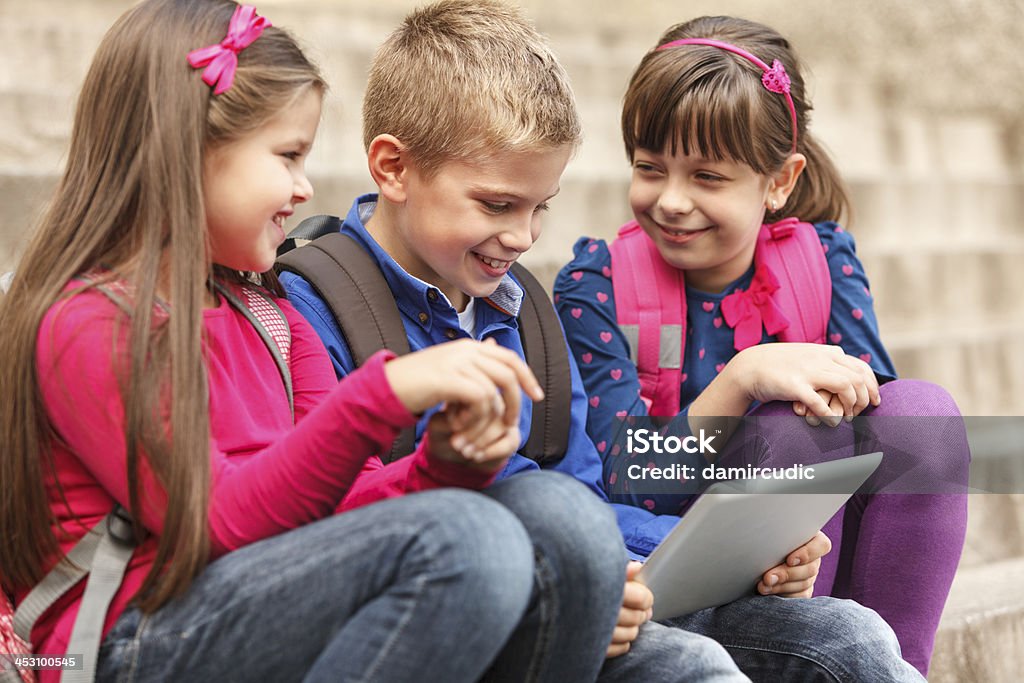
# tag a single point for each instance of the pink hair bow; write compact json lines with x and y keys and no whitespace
{"x":221,"y":60}
{"x":747,"y":311}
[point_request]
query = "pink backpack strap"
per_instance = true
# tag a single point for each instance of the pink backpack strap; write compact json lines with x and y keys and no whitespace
{"x":792,"y":251}
{"x":650,"y":304}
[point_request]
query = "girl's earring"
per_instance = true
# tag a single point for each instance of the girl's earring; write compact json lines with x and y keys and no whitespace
{"x":771,"y":203}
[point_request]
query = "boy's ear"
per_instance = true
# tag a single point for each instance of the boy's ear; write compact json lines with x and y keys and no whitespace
{"x":389,"y":166}
{"x":784,"y":180}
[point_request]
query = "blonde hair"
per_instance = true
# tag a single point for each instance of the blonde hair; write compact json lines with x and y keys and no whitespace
{"x":131,"y":195}
{"x":461,"y":78}
{"x":711,"y":101}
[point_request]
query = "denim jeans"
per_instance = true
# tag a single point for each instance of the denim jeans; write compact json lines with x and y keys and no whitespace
{"x":766,"y":639}
{"x":812,"y":639}
{"x":521,"y":583}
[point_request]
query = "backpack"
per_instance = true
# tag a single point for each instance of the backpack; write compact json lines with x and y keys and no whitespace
{"x":348,"y":280}
{"x":650,"y":301}
{"x":105,"y":550}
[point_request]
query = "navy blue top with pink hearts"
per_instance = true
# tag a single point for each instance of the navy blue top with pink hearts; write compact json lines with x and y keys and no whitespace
{"x":585,"y":301}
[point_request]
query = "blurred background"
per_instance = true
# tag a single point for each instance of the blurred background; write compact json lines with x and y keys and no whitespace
{"x":921,"y":104}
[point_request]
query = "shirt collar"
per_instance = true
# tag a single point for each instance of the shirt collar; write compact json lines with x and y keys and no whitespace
{"x":416,"y":298}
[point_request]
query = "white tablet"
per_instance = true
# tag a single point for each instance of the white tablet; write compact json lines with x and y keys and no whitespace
{"x":737,"y":530}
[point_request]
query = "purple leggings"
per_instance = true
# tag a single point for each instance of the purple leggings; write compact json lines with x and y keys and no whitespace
{"x":895,"y":549}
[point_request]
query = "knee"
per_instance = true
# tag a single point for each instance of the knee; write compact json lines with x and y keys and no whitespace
{"x":574,"y":529}
{"x":922,"y":421}
{"x":484,"y":545}
{"x":851,"y":625}
{"x":552,"y":504}
{"x":853,"y":628}
{"x":914,"y":397}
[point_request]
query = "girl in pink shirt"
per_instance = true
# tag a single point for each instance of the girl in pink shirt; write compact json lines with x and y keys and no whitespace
{"x":136,"y":379}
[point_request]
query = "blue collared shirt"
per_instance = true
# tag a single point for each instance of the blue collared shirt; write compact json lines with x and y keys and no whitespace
{"x":429,"y":319}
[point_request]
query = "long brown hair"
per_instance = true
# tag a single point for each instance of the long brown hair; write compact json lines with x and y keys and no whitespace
{"x":131,"y":201}
{"x":712,"y":101}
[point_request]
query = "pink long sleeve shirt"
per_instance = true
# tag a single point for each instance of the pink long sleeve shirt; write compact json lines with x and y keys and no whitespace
{"x":268,"y":474}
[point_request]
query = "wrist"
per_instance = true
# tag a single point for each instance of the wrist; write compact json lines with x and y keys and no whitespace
{"x":456,"y":471}
{"x":741,"y":372}
{"x":729,"y":394}
{"x":407,"y":385}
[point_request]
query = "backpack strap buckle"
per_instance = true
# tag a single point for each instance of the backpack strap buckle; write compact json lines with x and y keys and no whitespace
{"x":121,"y":527}
{"x":783,"y":228}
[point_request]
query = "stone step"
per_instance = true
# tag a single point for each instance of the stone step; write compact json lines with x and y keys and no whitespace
{"x":959,"y":280}
{"x":981,"y":636}
{"x":23,"y":198}
{"x":899,"y":207}
{"x":980,"y":368}
{"x":995,"y":527}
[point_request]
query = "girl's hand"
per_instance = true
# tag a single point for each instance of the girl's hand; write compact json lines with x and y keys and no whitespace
{"x":637,"y":605}
{"x":795,"y":578}
{"x":809,"y":374}
{"x":487,"y":446}
{"x":464,"y":372}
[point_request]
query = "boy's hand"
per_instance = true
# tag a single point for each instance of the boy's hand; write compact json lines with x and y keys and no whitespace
{"x":795,"y":578}
{"x":637,"y":603}
{"x":808,"y":374}
{"x":488,"y":449}
{"x":464,"y":372}
{"x":835,"y":406}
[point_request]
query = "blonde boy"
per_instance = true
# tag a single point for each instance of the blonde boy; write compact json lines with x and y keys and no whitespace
{"x":468,"y":123}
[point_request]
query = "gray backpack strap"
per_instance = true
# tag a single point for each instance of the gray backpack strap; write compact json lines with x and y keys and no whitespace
{"x":103,"y":553}
{"x":105,"y":576}
{"x":363,"y":306}
{"x":547,"y":355}
{"x":310,"y":229}
{"x":269,"y":321}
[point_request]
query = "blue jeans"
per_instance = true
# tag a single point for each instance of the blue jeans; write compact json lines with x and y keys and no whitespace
{"x":783,"y":639}
{"x":522,"y":583}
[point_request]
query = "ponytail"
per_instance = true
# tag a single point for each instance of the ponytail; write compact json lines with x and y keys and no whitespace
{"x":820,"y":193}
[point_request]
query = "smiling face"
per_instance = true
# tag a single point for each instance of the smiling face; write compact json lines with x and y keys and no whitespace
{"x":703,"y":215}
{"x":251,"y":185}
{"x":461,"y":227}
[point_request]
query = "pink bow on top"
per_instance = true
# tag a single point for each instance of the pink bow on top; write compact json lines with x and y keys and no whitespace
{"x":746,"y":311}
{"x":245,"y":27}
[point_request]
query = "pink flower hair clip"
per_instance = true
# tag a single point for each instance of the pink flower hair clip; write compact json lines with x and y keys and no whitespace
{"x":221,"y":60}
{"x":774,"y":79}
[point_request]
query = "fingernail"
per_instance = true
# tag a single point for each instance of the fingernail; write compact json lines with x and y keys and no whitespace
{"x":458,"y":442}
{"x":848,"y":418}
{"x":772,"y":579}
{"x":794,"y":562}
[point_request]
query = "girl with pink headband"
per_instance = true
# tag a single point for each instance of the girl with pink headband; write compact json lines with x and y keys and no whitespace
{"x":176,"y":445}
{"x":736,"y":292}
